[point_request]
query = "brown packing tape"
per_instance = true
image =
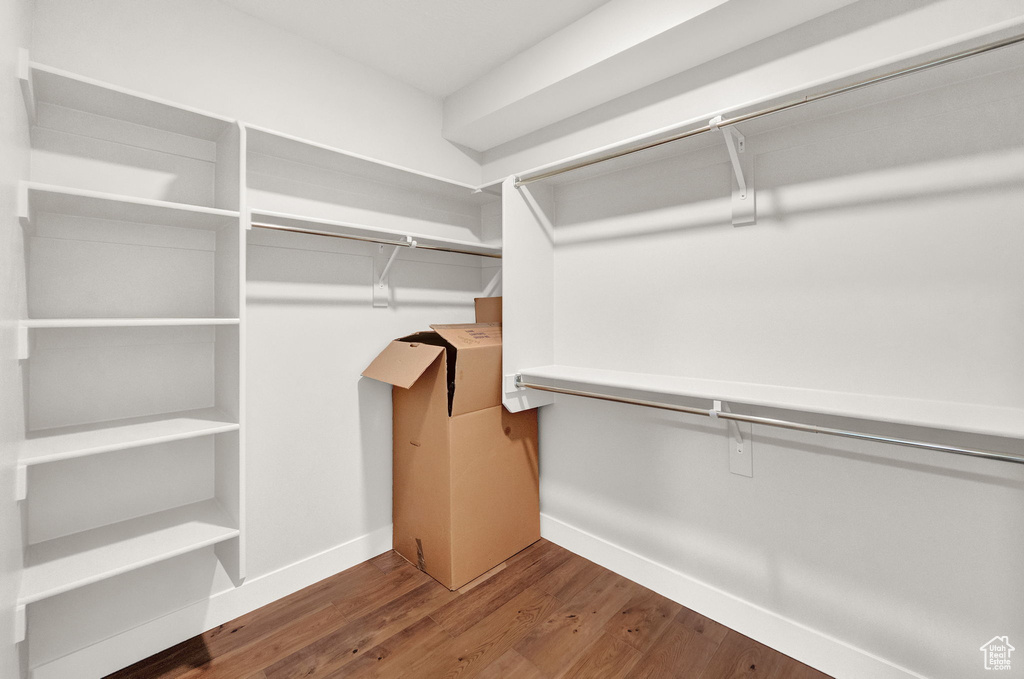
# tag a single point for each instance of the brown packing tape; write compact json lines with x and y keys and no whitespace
{"x":420,"y":561}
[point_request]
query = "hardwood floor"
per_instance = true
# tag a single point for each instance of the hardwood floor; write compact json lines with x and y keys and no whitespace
{"x":544,"y":614}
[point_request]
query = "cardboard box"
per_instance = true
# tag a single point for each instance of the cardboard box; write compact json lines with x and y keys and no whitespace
{"x":465,"y":470}
{"x":488,"y":309}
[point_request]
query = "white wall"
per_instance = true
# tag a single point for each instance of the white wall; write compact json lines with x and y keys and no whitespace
{"x":205,"y":54}
{"x":14,"y":32}
{"x":319,"y":435}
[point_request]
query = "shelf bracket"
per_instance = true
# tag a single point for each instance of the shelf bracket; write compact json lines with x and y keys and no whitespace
{"x":28,"y":91}
{"x":381,"y":267}
{"x":743,"y":195}
{"x":20,"y":482}
{"x":740,"y":435}
{"x":19,"y":623}
{"x":23,"y":343}
{"x":24,"y":205}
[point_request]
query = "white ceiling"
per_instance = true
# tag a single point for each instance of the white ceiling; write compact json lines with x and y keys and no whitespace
{"x":437,"y":46}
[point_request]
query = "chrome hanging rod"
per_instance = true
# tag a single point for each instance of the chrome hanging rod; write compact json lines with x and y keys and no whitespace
{"x":783,"y":424}
{"x":940,"y":61}
{"x":373,"y":239}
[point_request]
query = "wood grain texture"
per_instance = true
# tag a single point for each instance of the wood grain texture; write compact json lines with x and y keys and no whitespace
{"x":544,"y":614}
{"x":529,"y":565}
{"x":554,"y":645}
{"x":701,"y":625}
{"x":642,"y":620}
{"x":243,"y":661}
{"x":389,"y":561}
{"x":391,"y":657}
{"x":380,"y":590}
{"x":739,"y":656}
{"x":607,"y":658}
{"x":569,"y":578}
{"x":344,"y":644}
{"x":678,"y":652}
{"x":511,"y":665}
{"x":482,"y":644}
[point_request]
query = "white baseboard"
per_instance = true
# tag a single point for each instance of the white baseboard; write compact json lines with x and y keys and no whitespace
{"x":122,"y":650}
{"x":807,"y":645}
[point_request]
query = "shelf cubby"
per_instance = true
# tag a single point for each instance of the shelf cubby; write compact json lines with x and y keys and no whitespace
{"x":359,"y":230}
{"x":84,"y":376}
{"x":294,"y":178}
{"x":132,"y":345}
{"x":93,"y":135}
{"x":64,"y":443}
{"x":62,"y":564}
{"x":96,"y":255}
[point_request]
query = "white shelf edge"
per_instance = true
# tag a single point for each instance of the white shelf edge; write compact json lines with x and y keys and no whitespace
{"x":890,"y":409}
{"x":36,"y":66}
{"x":358,"y":156}
{"x":28,"y":93}
{"x":850,"y":75}
{"x":219,"y":425}
{"x":43,"y":323}
{"x":205,"y":511}
{"x":270,"y":215}
{"x":28,"y":186}
{"x":26,"y":324}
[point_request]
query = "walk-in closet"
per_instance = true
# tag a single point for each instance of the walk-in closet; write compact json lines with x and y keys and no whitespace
{"x":601,"y":338}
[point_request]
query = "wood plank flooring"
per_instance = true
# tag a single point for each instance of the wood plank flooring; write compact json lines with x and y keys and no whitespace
{"x":544,"y":614}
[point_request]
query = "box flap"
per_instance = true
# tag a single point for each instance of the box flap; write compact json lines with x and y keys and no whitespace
{"x":402,"y":363}
{"x":488,"y":309}
{"x":468,"y":335}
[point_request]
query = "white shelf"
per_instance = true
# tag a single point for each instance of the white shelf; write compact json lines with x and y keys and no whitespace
{"x":60,"y":565}
{"x":121,"y":322}
{"x":951,"y":416}
{"x":270,"y":143}
{"x":44,"y":198}
{"x":52,"y":445}
{"x":623,"y":158}
{"x":346,"y":228}
{"x":56,"y":323}
{"x":45,"y":85}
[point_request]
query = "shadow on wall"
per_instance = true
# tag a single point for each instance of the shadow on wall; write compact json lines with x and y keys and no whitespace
{"x":298,"y":270}
{"x":376,"y":436}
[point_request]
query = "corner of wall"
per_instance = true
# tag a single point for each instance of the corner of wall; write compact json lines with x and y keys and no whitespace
{"x":14,"y":32}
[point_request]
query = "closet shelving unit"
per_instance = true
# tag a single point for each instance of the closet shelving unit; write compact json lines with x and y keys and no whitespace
{"x":589,"y":214}
{"x":304,"y":187}
{"x":134,"y":337}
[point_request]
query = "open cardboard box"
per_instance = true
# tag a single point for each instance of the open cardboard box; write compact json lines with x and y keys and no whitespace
{"x":465,"y":470}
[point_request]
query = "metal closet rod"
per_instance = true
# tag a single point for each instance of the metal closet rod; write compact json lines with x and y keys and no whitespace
{"x":951,"y":58}
{"x":783,"y":424}
{"x":371,"y":239}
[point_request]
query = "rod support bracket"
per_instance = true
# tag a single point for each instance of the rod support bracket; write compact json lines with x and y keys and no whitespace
{"x":20,"y":623}
{"x":20,"y":482}
{"x":743,"y":198}
{"x":740,"y":438}
{"x":382,"y":262}
{"x":24,"y":347}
